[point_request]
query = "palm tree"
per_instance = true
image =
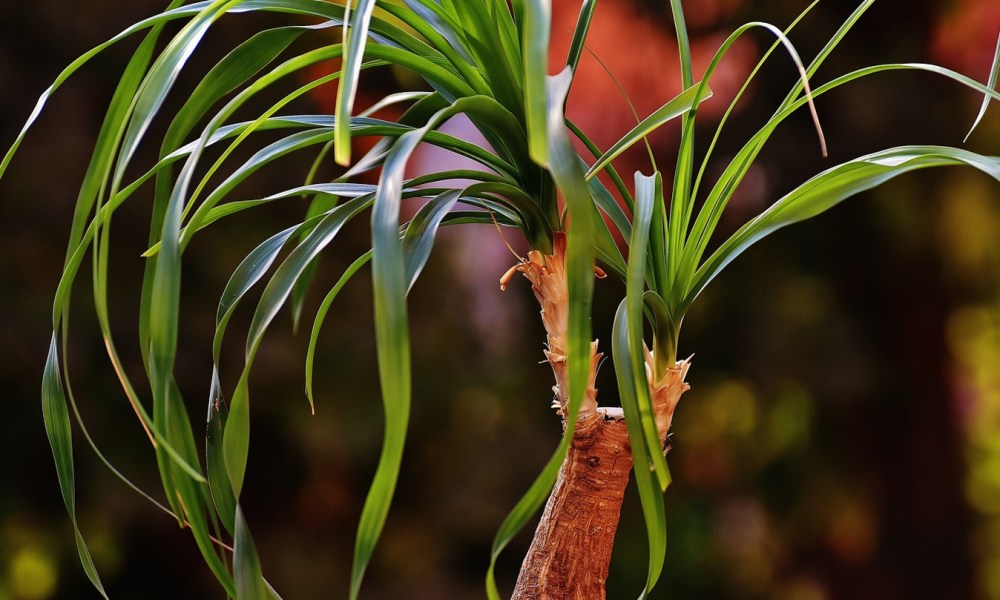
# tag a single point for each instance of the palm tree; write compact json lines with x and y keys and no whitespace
{"x":539,"y":176}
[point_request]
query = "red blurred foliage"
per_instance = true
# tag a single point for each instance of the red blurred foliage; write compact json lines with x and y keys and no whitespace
{"x":966,"y":37}
{"x":640,"y":52}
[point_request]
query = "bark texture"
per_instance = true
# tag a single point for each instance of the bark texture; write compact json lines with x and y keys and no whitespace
{"x":571,"y":551}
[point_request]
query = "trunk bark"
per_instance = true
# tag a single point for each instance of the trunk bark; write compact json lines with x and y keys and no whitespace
{"x":571,"y":551}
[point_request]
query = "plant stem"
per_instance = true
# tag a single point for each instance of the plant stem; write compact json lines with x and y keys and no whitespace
{"x":570,"y":554}
{"x":571,"y":550}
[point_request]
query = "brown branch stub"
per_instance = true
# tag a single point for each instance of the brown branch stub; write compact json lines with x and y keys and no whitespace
{"x":666,"y":393}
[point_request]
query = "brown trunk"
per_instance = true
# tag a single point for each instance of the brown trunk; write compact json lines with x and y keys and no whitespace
{"x":570,"y":554}
{"x":571,"y":551}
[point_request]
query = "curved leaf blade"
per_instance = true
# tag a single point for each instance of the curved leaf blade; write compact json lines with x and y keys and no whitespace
{"x":250,"y":584}
{"x":355,"y":39}
{"x":55,"y":414}
{"x":650,"y":494}
{"x":828,"y":189}
{"x":419,"y":237}
{"x":677,"y":106}
{"x":639,"y":407}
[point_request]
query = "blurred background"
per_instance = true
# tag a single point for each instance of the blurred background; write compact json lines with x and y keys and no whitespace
{"x":841,"y":438}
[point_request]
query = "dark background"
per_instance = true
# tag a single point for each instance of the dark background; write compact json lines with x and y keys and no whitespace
{"x":841,"y":438}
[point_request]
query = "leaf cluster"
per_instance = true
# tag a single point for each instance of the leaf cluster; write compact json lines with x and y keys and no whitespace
{"x":487,"y":60}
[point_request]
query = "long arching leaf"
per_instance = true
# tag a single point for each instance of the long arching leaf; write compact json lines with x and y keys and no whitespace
{"x":355,"y":39}
{"x":828,"y":189}
{"x":627,"y":365}
{"x":57,"y":428}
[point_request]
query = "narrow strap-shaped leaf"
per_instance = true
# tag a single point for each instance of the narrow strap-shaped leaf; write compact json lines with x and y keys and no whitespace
{"x":282,"y":147}
{"x":218,"y":480}
{"x":190,"y":498}
{"x":176,"y":13}
{"x":580,"y":33}
{"x":233,"y":70}
{"x":509,"y":34}
{"x":680,"y":197}
{"x":250,"y":584}
{"x":740,"y":163}
{"x":680,"y":104}
{"x":389,"y":288}
{"x":161,"y":78}
{"x":828,"y":189}
{"x":609,"y":169}
{"x":242,"y":63}
{"x":535,"y":47}
{"x":439,"y":23}
{"x":355,"y":38}
{"x":830,"y":45}
{"x":627,"y":368}
{"x":318,"y":204}
{"x":568,"y":174}
{"x":484,"y":42}
{"x":683,"y":43}
{"x":605,"y":248}
{"x":992,"y":83}
{"x":195,"y":505}
{"x":392,"y":336}
{"x":318,"y":321}
{"x":749,"y":79}
{"x":236,"y":439}
{"x":682,"y":200}
{"x":639,"y":408}
{"x":532,"y":222}
{"x":439,"y":29}
{"x":60,"y":435}
{"x":665,"y":330}
{"x":250,"y":270}
{"x":419,"y":237}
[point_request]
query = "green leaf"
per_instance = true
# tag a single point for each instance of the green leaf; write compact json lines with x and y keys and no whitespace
{"x":484,"y":39}
{"x":828,"y":189}
{"x":639,"y":408}
{"x":321,"y":317}
{"x":355,"y":38}
{"x":238,"y":66}
{"x":419,"y":237}
{"x":727,"y":183}
{"x":250,"y":584}
{"x":250,"y":270}
{"x":992,"y":83}
{"x":236,"y":440}
{"x":665,"y":329}
{"x":535,"y":46}
{"x":580,"y":33}
{"x":680,"y":104}
{"x":390,"y":285}
{"x":218,"y":480}
{"x":627,"y":366}
{"x":57,"y":428}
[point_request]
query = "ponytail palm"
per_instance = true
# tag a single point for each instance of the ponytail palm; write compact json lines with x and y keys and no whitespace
{"x":489,"y":61}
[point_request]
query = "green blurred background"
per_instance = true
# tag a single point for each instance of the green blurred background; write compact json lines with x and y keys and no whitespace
{"x":841,"y":438}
